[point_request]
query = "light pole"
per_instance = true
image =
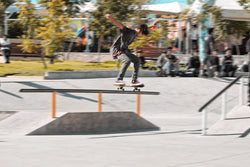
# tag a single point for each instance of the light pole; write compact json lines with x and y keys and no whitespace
{"x":7,"y":15}
{"x":87,"y":33}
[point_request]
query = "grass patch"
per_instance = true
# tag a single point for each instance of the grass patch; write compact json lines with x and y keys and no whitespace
{"x":36,"y":68}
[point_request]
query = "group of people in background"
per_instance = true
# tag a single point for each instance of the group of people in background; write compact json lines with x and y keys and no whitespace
{"x":210,"y":66}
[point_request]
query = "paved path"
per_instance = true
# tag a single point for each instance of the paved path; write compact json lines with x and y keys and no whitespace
{"x":175,"y":111}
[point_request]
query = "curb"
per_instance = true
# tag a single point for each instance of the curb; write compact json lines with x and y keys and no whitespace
{"x":93,"y":74}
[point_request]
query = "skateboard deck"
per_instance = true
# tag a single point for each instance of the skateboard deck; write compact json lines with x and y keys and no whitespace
{"x":136,"y":88}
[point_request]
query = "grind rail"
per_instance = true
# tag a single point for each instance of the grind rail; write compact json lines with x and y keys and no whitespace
{"x":99,"y":96}
{"x":223,"y":106}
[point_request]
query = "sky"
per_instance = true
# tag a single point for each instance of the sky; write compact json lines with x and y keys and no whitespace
{"x":154,"y":1}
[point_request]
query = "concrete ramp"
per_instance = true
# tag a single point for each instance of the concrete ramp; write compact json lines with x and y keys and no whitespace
{"x":237,"y":123}
{"x":95,"y":123}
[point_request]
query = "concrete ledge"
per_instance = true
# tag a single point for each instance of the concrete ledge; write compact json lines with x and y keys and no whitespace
{"x":95,"y":122}
{"x":241,"y":73}
{"x":93,"y":74}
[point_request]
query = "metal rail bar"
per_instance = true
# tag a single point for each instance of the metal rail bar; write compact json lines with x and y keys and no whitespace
{"x":87,"y":91}
{"x":99,"y":96}
{"x":218,"y":94}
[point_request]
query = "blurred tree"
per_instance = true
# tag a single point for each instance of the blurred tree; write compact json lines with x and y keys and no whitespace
{"x":3,"y":5}
{"x":54,"y":27}
{"x":27,"y":17}
{"x":70,"y":9}
{"x":223,"y":27}
{"x":154,"y":35}
{"x":29,"y":22}
{"x":6,"y":3}
{"x":15,"y":29}
{"x":121,"y":10}
{"x":245,"y":4}
{"x":158,"y":34}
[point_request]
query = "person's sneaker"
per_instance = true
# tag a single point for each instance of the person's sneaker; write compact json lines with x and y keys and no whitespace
{"x":119,"y":83}
{"x":136,"y":83}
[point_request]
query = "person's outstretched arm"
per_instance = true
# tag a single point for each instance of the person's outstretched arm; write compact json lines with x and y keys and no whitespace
{"x":118,"y":24}
{"x":152,"y":25}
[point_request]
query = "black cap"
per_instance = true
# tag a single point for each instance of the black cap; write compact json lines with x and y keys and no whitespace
{"x":170,"y":48}
{"x":228,"y":49}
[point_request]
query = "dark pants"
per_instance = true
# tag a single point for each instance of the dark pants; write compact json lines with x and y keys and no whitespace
{"x":6,"y":55}
{"x":126,"y":59}
{"x":194,"y":44}
{"x":228,"y":70}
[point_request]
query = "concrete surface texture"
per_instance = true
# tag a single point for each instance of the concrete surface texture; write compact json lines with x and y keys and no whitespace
{"x":4,"y":115}
{"x":237,"y":123}
{"x":178,"y":143}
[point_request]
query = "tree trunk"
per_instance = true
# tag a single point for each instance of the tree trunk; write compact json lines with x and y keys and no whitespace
{"x":99,"y":49}
{"x":43,"y":57}
{"x":70,"y":46}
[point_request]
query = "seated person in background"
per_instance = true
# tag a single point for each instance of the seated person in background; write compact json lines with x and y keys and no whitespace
{"x":5,"y":48}
{"x":194,"y":64}
{"x":168,"y":62}
{"x":214,"y":64}
{"x":228,"y":69}
{"x":161,"y":60}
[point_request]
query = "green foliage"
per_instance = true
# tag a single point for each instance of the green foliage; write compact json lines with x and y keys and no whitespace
{"x":6,"y":3}
{"x":27,"y":45}
{"x":155,"y":35}
{"x":164,"y":32}
{"x":54,"y":28}
{"x":206,"y":11}
{"x":121,"y":10}
{"x":139,"y":42}
{"x":15,"y":29}
{"x":29,"y":22}
{"x":28,"y":19}
{"x":2,"y":8}
{"x":245,"y":4}
{"x":70,"y":9}
{"x":69,"y":4}
{"x":223,"y":27}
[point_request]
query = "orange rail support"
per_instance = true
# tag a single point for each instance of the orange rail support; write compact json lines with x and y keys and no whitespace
{"x":99,"y":109}
{"x":138,"y":104}
{"x":53,"y":105}
{"x":98,"y":91}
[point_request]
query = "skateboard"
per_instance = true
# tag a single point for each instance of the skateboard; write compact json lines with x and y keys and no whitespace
{"x":136,"y":88}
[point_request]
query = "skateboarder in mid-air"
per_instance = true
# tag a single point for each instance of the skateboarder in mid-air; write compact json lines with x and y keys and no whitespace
{"x":120,"y":50}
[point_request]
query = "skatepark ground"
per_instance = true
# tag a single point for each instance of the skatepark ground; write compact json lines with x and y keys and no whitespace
{"x":178,"y":143}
